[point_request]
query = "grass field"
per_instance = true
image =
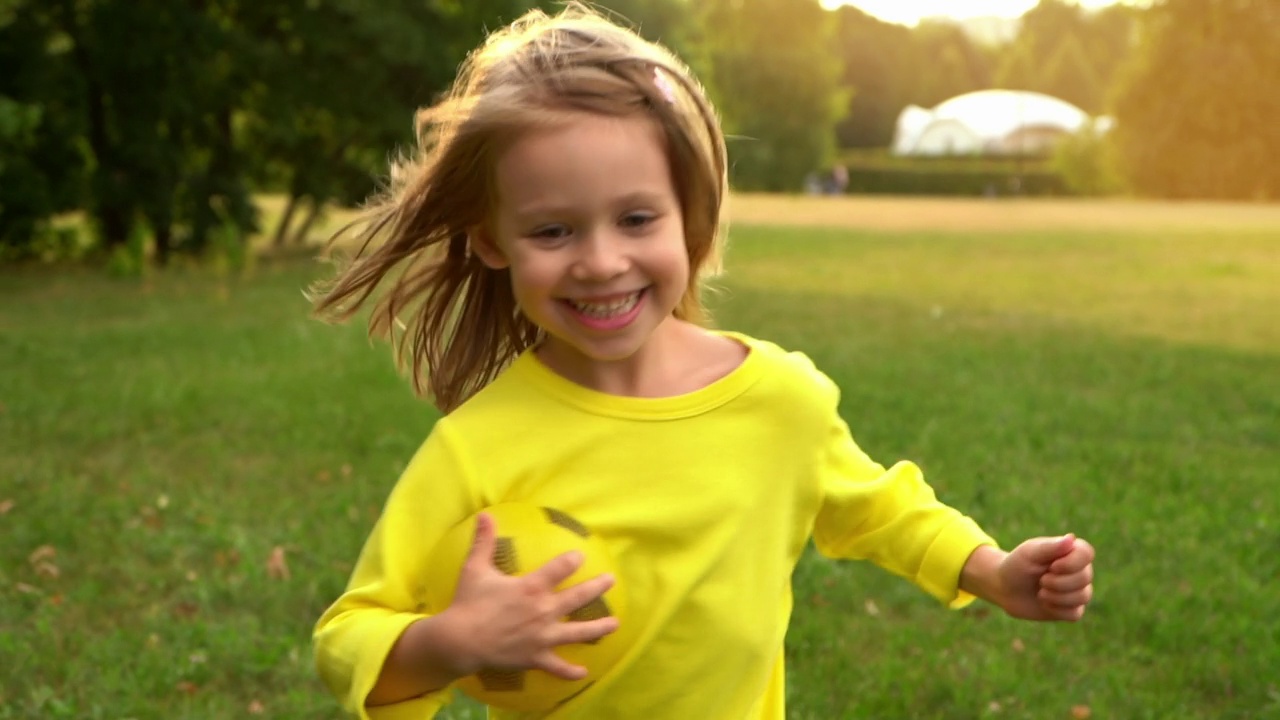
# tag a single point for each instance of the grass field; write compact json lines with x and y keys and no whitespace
{"x":188,"y":464}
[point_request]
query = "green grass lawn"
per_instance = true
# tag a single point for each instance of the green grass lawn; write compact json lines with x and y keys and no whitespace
{"x":162,"y":439}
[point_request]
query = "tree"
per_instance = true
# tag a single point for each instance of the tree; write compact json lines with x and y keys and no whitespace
{"x":776,"y":80}
{"x":157,"y":152}
{"x":949,"y":64}
{"x":42,"y":170}
{"x":1047,"y":25}
{"x":880,"y":67}
{"x":1085,"y":162}
{"x":1109,"y":43}
{"x":668,"y":22}
{"x":1196,"y":112}
{"x":1068,"y":52}
{"x":1070,"y":75}
{"x":338,"y":84}
{"x":1019,"y":69}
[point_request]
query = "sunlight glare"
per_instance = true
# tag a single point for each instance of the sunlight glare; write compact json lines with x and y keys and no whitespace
{"x":910,"y":12}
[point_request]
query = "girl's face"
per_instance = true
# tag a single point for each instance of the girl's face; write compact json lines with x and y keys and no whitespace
{"x":589,"y":223}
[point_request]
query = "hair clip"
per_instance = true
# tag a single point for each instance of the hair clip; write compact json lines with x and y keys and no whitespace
{"x":663,"y":83}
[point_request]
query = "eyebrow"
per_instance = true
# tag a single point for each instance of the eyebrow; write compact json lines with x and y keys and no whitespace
{"x":640,"y":197}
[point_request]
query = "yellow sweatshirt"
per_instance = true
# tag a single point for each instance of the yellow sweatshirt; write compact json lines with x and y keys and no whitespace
{"x":706,"y":501}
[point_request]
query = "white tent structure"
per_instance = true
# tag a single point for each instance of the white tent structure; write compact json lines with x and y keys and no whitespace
{"x":988,"y":122}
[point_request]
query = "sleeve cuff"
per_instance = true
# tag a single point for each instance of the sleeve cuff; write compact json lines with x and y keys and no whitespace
{"x":381,"y":637}
{"x":940,"y":572}
{"x":423,"y":708}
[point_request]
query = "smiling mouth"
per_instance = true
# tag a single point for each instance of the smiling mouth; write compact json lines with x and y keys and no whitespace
{"x":611,"y":309}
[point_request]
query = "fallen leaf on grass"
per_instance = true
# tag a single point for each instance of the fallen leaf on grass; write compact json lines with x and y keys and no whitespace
{"x":186,"y":609}
{"x":150,"y":517}
{"x":42,"y":553}
{"x":1018,"y":645}
{"x":872,"y":609}
{"x":6,"y":506}
{"x":41,"y":560}
{"x":256,"y":708}
{"x":226,"y":558}
{"x":277,"y":566}
{"x":26,"y":589}
{"x":1081,"y":712}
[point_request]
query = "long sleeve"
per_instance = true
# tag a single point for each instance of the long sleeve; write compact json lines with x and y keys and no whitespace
{"x":892,"y":517}
{"x":385,"y":593}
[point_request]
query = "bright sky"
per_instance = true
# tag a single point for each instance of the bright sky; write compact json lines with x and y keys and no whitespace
{"x":910,"y":12}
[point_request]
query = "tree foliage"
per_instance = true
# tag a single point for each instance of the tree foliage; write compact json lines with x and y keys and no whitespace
{"x":777,"y":85}
{"x":880,"y":63}
{"x":163,"y":119}
{"x":950,"y":64}
{"x":1070,"y":75}
{"x":167,"y":116}
{"x":1196,"y":113}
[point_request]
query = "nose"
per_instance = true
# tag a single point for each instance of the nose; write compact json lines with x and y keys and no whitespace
{"x":601,"y":256}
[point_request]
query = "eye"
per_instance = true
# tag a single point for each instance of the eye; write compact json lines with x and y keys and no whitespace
{"x":637,"y":219}
{"x":550,"y":232}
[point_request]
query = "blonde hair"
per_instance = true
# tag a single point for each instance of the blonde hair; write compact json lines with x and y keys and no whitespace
{"x":454,"y":320}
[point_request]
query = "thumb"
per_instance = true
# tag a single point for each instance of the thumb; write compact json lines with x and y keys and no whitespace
{"x":1043,"y":551}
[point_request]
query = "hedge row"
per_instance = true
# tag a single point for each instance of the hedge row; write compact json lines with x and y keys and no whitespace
{"x":940,"y":181}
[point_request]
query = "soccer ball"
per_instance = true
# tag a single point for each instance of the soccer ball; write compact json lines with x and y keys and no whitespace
{"x":528,"y":536}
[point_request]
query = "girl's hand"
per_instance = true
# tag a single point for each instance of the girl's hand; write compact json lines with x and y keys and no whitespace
{"x":511,"y":623}
{"x":1047,"y":579}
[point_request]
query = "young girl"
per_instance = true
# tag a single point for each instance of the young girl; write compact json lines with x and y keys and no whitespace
{"x":544,"y":251}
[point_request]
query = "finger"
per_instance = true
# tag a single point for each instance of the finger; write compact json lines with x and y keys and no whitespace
{"x":558,"y":569}
{"x":1067,"y":583}
{"x":483,"y":542}
{"x":1065,"y":614}
{"x":1081,"y":556}
{"x":1066,"y":600}
{"x":559,"y":667}
{"x":577,"y":596}
{"x":572,"y":633}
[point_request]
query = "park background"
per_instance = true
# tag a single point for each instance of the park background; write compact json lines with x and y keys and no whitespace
{"x":189,"y":462}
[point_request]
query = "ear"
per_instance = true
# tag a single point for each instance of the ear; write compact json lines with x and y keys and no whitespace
{"x":485,"y":247}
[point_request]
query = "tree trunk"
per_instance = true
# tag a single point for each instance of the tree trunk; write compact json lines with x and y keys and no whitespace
{"x":113,"y":219}
{"x":304,"y":230}
{"x":286,"y":220}
{"x":164,"y":243}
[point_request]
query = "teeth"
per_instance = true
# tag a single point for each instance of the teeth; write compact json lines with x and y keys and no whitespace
{"x":606,"y":310}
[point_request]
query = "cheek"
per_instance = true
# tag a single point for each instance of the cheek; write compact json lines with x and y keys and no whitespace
{"x":532,"y":276}
{"x":676,"y":262}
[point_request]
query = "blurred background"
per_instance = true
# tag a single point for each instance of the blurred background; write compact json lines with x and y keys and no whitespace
{"x":160,"y":122}
{"x":1037,"y":245}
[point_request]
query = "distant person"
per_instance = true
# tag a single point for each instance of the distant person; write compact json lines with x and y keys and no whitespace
{"x":543,"y":253}
{"x":839,"y":179}
{"x":813,"y":184}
